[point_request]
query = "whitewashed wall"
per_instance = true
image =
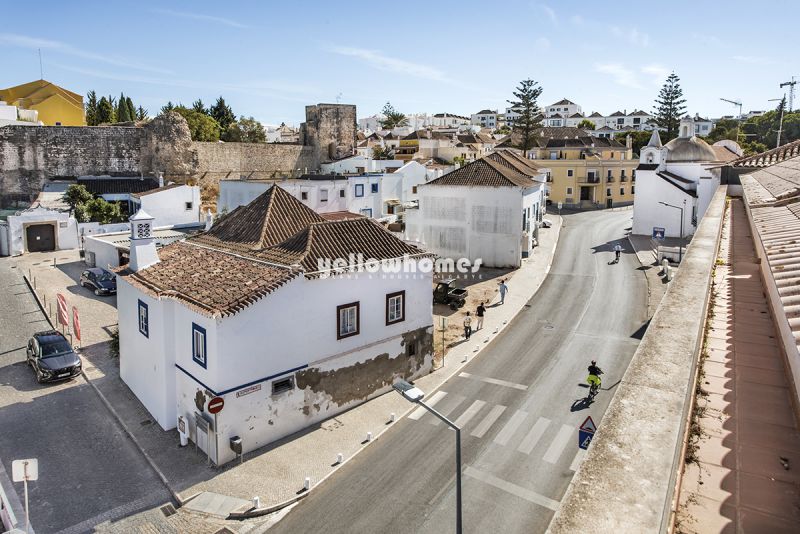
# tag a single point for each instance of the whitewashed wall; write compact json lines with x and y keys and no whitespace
{"x":66,"y":237}
{"x":168,"y":207}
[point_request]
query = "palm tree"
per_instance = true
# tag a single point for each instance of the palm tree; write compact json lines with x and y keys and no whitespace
{"x":393,"y":118}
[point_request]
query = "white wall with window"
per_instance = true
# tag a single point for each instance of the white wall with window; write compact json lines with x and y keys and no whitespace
{"x":171,"y":205}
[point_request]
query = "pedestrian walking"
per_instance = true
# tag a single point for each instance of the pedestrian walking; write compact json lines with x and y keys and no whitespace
{"x":467,"y":326}
{"x":503,"y":291}
{"x":479,"y":312}
{"x":617,"y":251}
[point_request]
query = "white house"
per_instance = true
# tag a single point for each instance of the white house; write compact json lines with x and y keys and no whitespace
{"x":45,"y":226}
{"x":170,"y":205}
{"x":675,"y":183}
{"x":489,"y":210}
{"x":485,"y":118}
{"x":563,"y":107}
{"x":286,"y":317}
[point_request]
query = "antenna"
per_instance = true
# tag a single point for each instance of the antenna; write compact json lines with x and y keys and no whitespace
{"x":739,"y":121}
{"x":41,"y":70}
{"x":791,"y":85}
{"x":338,"y":97}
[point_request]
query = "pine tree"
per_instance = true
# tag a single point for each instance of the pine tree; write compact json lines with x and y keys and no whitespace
{"x":141,"y":114}
{"x":222,"y":113}
{"x":91,"y":108}
{"x":168,"y":107}
{"x":123,"y":115}
{"x":198,"y":106}
{"x":105,"y":112}
{"x":670,"y":106}
{"x":392,"y":117}
{"x":131,"y":108}
{"x":528,"y":91}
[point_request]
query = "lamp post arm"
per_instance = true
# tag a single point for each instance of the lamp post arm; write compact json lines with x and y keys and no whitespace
{"x":441,"y":417}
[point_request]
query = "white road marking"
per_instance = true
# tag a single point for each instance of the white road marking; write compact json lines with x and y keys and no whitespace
{"x":513,"y":424}
{"x":458,"y":400}
{"x":473,"y":409}
{"x":495,"y":381}
{"x":419,"y":412}
{"x":534,"y":435}
{"x":488,"y":421}
{"x":513,"y":489}
{"x":557,"y":446}
{"x":576,"y":462}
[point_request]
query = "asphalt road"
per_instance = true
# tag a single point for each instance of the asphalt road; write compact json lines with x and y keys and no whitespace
{"x":89,"y":471}
{"x":520,"y":429}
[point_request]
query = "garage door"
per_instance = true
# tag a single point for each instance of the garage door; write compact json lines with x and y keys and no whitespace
{"x":41,"y":237}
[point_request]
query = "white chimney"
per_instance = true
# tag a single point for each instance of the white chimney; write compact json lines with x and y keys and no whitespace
{"x":160,"y":179}
{"x":209,"y":220}
{"x":143,"y":247}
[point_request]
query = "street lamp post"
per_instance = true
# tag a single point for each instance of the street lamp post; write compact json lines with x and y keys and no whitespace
{"x":780,"y":123}
{"x":415,"y":395}
{"x":680,"y":247}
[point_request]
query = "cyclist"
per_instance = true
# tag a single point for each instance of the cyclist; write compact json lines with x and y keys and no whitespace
{"x":594,"y":377}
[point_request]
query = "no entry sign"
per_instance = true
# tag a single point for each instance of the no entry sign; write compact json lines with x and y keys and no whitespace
{"x":215,"y":405}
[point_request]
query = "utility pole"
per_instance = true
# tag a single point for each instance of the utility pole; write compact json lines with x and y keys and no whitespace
{"x":41,"y":70}
{"x":739,"y":119}
{"x":780,"y":122}
{"x":791,"y":85}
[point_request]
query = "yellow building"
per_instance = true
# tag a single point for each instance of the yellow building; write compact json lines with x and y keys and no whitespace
{"x":585,"y":171}
{"x":56,"y":106}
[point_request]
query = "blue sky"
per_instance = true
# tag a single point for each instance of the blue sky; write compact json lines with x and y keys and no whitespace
{"x":270,"y":59}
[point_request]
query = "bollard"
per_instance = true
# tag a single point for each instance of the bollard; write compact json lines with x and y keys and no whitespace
{"x":664,"y":265}
{"x":476,"y":349}
{"x":392,"y":417}
{"x":307,"y":484}
{"x":339,"y":458}
{"x":369,"y":436}
{"x":256,"y":502}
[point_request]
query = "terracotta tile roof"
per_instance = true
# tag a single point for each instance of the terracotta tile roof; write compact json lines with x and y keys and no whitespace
{"x":339,"y":239}
{"x":211,"y":282}
{"x":271,"y":218}
{"x":157,"y":190}
{"x":595,"y":114}
{"x":770,"y":157}
{"x":250,"y":253}
{"x":340,"y":215}
{"x":511,"y":159}
{"x":107,"y":186}
{"x":483,"y":172}
{"x":778,"y":182}
{"x":563,"y":102}
{"x":724,"y":154}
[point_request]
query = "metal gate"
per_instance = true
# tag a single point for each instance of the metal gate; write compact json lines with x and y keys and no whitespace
{"x":40,"y":237}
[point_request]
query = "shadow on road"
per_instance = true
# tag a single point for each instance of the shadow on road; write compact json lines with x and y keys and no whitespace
{"x":639,"y":334}
{"x":581,"y":404}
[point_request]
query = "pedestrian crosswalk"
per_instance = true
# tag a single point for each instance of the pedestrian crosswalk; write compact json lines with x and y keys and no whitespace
{"x":512,"y":428}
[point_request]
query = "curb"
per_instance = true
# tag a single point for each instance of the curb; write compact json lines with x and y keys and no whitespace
{"x":110,"y":408}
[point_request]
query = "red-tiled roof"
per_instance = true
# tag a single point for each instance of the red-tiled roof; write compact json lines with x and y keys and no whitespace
{"x":770,"y":157}
{"x":210,"y":281}
{"x":340,"y":215}
{"x":157,"y":190}
{"x":484,"y":172}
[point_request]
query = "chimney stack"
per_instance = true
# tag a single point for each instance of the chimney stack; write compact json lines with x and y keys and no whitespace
{"x":209,"y":220}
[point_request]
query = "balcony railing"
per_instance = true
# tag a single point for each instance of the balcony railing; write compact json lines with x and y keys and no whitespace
{"x":623,"y":178}
{"x":610,"y":179}
{"x":589,"y":180}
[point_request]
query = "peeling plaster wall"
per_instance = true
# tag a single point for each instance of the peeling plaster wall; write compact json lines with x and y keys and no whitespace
{"x":293,"y":327}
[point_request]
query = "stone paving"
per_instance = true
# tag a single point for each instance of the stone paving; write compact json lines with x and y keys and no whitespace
{"x":276,"y":472}
{"x":746,"y":477}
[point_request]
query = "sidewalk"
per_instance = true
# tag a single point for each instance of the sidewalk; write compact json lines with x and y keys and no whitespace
{"x":745,"y":473}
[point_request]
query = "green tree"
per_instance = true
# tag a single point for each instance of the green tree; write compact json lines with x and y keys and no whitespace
{"x":586,"y":124}
{"x":670,"y":106}
{"x":638,"y":139}
{"x":91,"y":108}
{"x":380,"y":152}
{"x":169,"y":106}
{"x":198,"y":106}
{"x":105,"y":112}
{"x":141,"y":114}
{"x":393,"y":118}
{"x":201,"y":126}
{"x":103,"y":212}
{"x":246,"y":130}
{"x":222,"y":114}
{"x":123,"y":114}
{"x":131,"y":108}
{"x":526,"y":94}
{"x":77,"y":194}
{"x":503,"y":130}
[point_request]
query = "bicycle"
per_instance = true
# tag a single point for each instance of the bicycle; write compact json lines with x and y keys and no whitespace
{"x":594,"y":386}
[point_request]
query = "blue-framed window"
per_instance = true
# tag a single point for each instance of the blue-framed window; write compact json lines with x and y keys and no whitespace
{"x":199,"y":353}
{"x":144,"y":319}
{"x":359,"y":190}
{"x":374,"y":188}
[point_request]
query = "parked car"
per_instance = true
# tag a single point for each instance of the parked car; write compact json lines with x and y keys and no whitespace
{"x":52,"y":358}
{"x":101,"y":281}
{"x":446,"y":292}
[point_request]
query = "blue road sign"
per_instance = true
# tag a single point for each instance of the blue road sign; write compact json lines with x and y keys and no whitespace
{"x":584,"y":438}
{"x":658,"y":233}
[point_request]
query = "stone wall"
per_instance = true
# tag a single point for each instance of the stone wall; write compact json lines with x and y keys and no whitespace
{"x":31,"y":155}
